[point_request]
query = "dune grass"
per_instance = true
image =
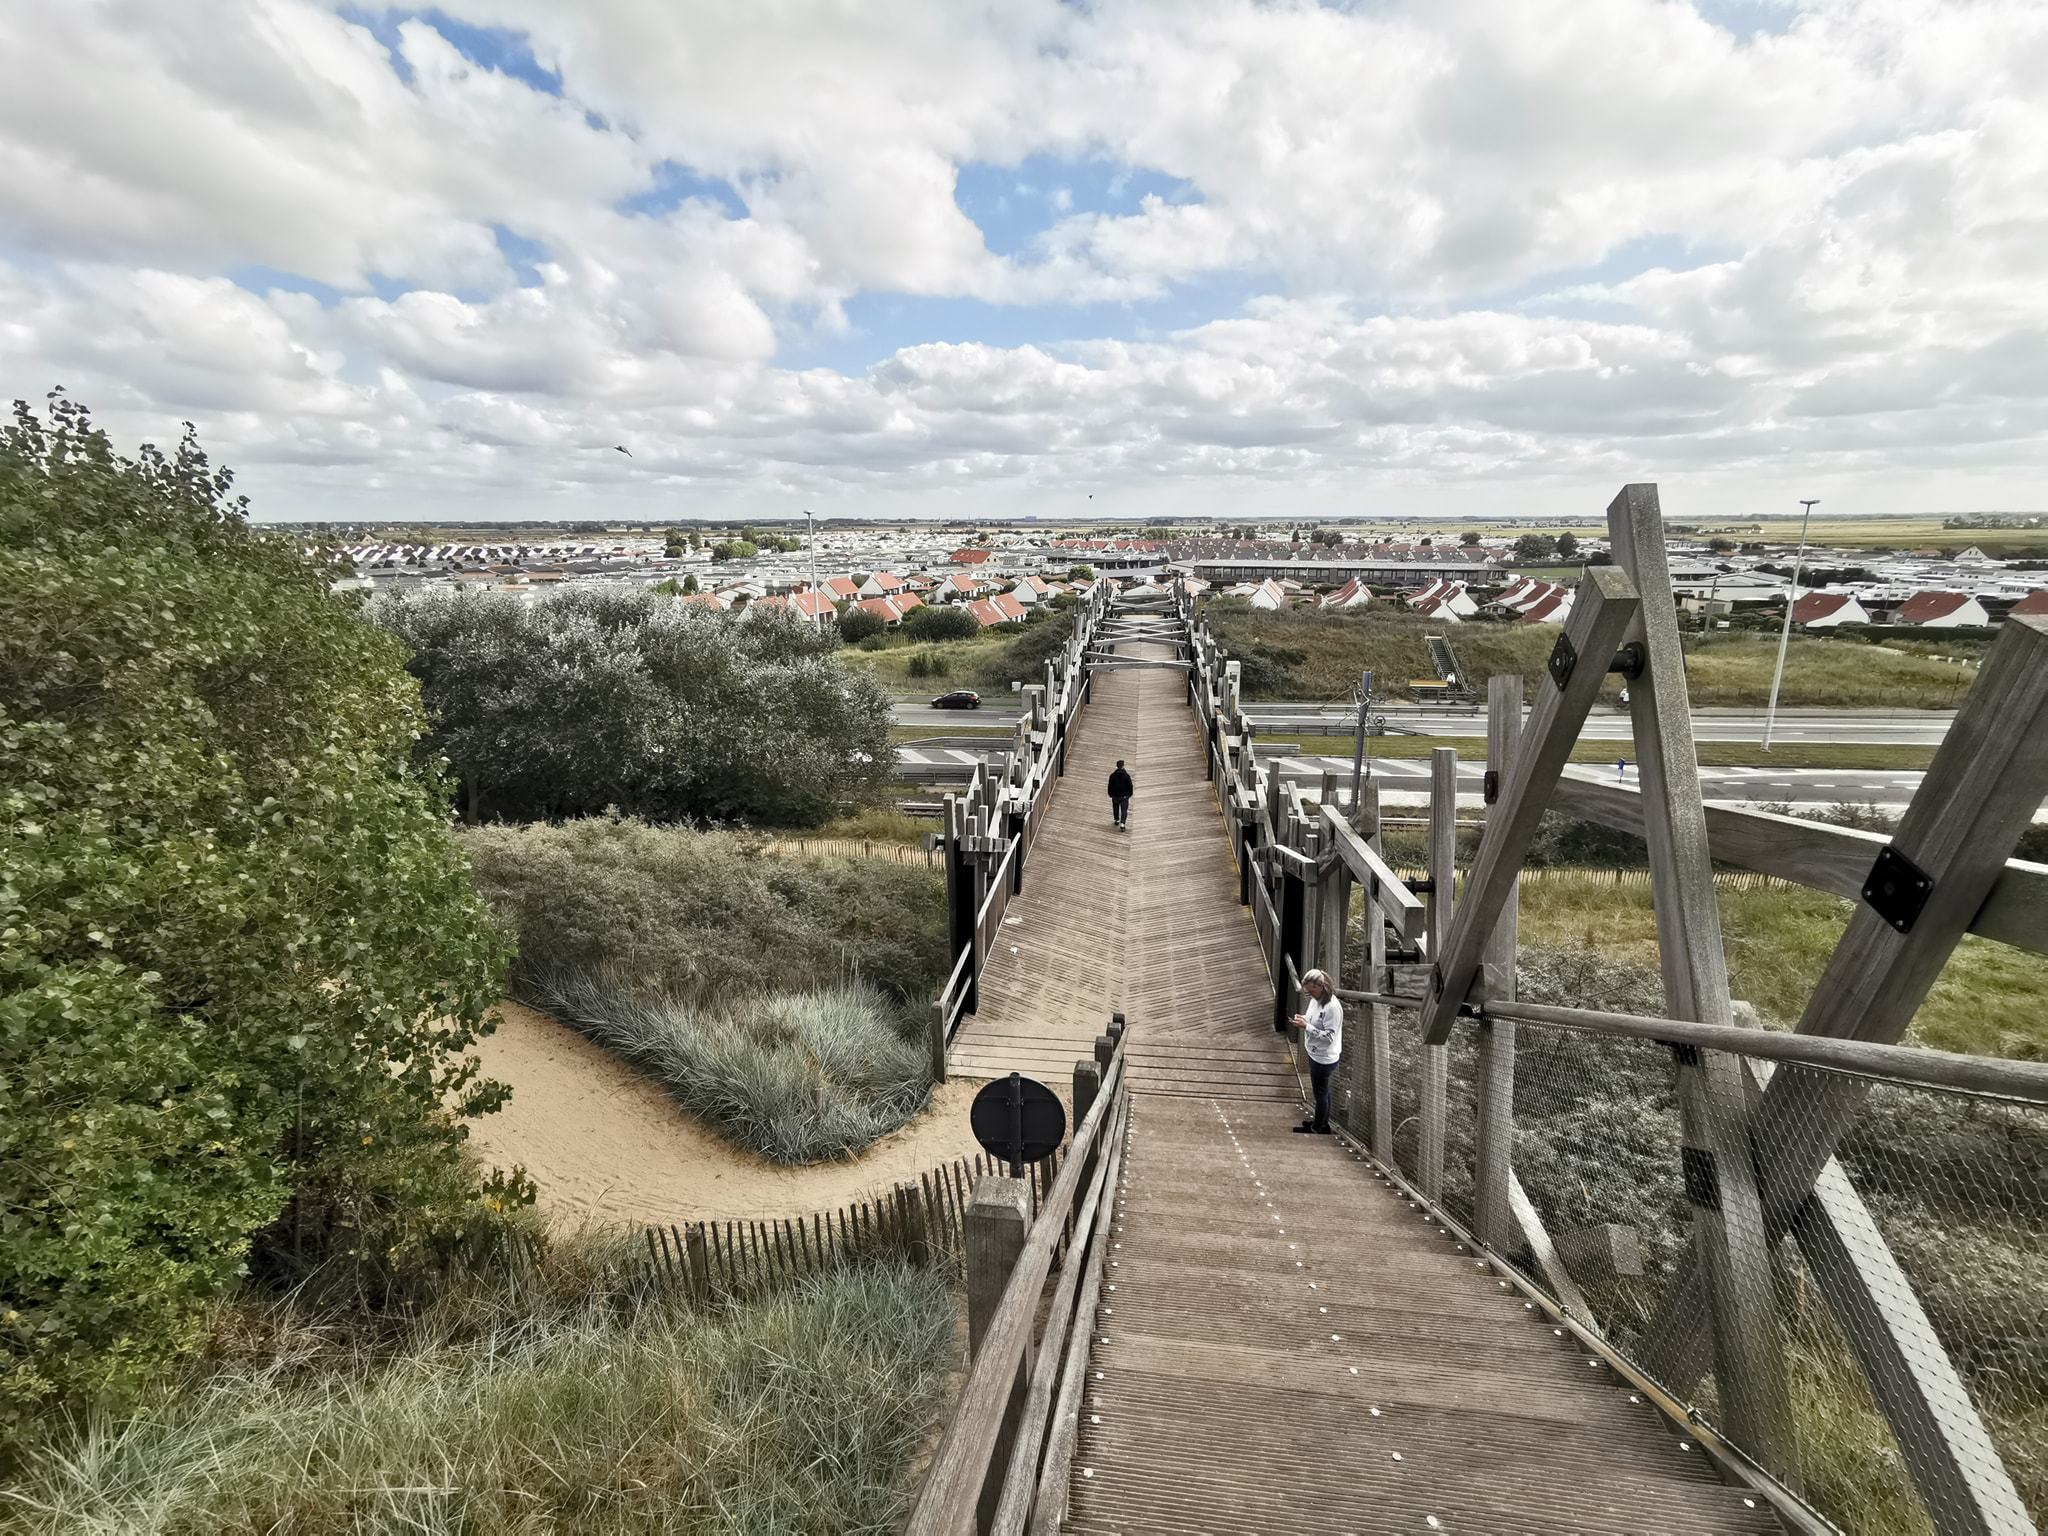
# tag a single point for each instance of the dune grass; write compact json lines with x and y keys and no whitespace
{"x":797,"y":1076}
{"x":798,"y":1411}
{"x":707,"y":916}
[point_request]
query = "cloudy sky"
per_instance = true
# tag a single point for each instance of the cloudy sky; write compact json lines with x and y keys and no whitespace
{"x":929,"y":258}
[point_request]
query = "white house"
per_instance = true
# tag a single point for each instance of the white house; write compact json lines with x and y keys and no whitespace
{"x":1825,"y":610}
{"x":1353,"y":594}
{"x":1941,"y":610}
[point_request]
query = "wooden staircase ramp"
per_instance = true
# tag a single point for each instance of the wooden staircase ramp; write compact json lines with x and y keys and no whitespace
{"x":1144,"y":922}
{"x":1283,"y":1343}
{"x":1286,"y":1344}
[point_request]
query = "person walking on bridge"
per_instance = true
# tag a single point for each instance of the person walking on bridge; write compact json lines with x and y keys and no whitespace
{"x":1322,"y":1036}
{"x":1120,"y":788}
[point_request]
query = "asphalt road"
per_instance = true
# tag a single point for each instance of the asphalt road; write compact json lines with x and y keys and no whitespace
{"x":1897,"y":728}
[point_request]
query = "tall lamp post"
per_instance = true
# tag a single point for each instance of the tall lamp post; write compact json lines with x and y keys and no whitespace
{"x":1785,"y":633}
{"x":811,"y":525}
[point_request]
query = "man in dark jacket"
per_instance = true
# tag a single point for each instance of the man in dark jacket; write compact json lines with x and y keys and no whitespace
{"x":1120,"y":788}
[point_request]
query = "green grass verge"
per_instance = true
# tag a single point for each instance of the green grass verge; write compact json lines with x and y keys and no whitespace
{"x":1987,"y":1000}
{"x":801,"y":1411}
{"x":908,"y":733}
{"x":1301,"y":653}
{"x":799,"y":1077}
{"x":877,"y":824}
{"x":1875,"y":757}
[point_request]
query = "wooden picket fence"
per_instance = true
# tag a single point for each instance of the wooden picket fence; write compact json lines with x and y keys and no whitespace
{"x":920,"y":1221}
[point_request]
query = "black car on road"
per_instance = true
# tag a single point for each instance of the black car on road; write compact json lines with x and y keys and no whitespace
{"x":959,"y":698}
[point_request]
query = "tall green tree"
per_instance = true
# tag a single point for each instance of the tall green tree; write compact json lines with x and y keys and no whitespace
{"x":241,"y":961}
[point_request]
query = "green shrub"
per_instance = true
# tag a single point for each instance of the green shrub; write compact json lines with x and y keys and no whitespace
{"x":858,"y":624}
{"x":241,"y":965}
{"x":707,"y":915}
{"x":800,"y":1411}
{"x":928,"y":661}
{"x":797,"y":1076}
{"x":941,"y":621}
{"x":594,"y":698}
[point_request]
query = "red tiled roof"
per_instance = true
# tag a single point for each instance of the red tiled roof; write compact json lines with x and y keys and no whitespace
{"x":1924,"y":606}
{"x":2035,"y":602}
{"x":1817,"y":605}
{"x":969,"y":556}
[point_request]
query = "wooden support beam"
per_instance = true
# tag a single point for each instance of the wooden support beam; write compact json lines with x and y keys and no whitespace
{"x":1606,"y":605}
{"x":1987,"y":777}
{"x":1949,"y":1452}
{"x":1730,"y":1244}
{"x":1384,"y":889}
{"x":1443,"y":873}
{"x":1494,"y":1090}
{"x":1815,"y":854}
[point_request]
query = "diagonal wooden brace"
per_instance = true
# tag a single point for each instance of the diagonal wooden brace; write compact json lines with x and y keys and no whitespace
{"x":1605,"y":607}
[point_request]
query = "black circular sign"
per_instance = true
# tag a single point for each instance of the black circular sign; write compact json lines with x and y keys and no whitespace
{"x":1018,"y":1120}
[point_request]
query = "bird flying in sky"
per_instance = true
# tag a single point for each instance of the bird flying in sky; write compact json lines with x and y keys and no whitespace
{"x":622,"y":448}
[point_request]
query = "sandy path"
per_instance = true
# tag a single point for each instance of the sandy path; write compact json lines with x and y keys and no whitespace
{"x":606,"y":1144}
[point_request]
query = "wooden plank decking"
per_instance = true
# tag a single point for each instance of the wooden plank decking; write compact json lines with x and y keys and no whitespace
{"x":1144,"y":922}
{"x":1283,"y":1343}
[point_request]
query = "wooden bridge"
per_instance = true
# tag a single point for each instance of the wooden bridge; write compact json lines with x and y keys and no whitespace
{"x":1219,"y":1324}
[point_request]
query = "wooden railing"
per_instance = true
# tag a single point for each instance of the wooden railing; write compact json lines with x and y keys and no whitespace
{"x":987,"y":832}
{"x":1004,"y":1462}
{"x":1756,"y":1146}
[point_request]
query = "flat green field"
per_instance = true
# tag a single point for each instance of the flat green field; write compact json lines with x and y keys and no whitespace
{"x":1988,"y":999}
{"x":1301,"y":653}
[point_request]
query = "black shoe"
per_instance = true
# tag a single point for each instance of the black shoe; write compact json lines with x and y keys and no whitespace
{"x":1320,"y":1130}
{"x":1304,"y":1129}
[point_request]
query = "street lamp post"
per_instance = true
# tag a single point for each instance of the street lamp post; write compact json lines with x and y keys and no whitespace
{"x":811,"y":525}
{"x":1785,"y":633}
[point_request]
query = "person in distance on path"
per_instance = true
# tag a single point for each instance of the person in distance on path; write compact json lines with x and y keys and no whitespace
{"x":1322,"y":1036}
{"x":1120,"y":788}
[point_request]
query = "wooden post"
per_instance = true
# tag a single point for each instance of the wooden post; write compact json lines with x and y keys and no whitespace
{"x":1730,"y":1244}
{"x":1087,"y":1088}
{"x":998,"y":1222}
{"x":910,"y":1213}
{"x":1333,"y":912}
{"x":1379,"y":1070}
{"x":1443,"y":873}
{"x":1494,"y":1107}
{"x":1289,"y":946}
{"x":935,"y":1038}
{"x":699,"y":1257}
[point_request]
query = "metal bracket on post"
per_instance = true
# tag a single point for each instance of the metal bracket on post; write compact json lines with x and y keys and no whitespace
{"x":1563,"y":658}
{"x":1897,"y":888}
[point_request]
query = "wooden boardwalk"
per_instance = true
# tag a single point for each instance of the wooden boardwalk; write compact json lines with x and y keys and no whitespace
{"x":1144,"y":922}
{"x":1284,"y":1343}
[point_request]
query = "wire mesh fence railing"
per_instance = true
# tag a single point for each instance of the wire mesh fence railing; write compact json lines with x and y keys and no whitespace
{"x":1904,"y":1261}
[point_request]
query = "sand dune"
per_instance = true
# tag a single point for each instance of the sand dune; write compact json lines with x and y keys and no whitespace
{"x":607,"y":1144}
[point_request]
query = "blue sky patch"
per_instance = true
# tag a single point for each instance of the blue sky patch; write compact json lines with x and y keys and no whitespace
{"x":675,"y":184}
{"x":883,"y":324}
{"x":522,"y":255}
{"x":1015,"y":204}
{"x":499,"y":49}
